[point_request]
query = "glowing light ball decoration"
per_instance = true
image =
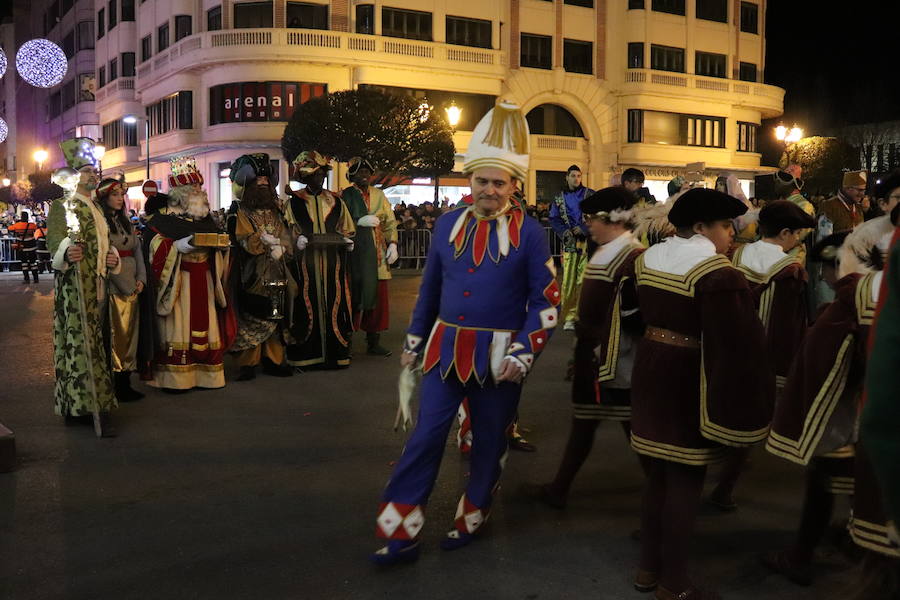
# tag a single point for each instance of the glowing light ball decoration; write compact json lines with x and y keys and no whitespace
{"x":2,"y":63}
{"x":41,"y":63}
{"x":4,"y":131}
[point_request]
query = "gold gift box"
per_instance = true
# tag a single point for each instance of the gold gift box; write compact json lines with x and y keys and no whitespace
{"x":211,"y":240}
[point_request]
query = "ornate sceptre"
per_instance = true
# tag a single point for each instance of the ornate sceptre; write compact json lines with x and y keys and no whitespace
{"x":68,"y":180}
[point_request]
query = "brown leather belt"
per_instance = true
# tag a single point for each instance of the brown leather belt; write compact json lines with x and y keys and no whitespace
{"x":673,"y":338}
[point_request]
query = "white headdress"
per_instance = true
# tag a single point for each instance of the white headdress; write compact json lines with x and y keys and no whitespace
{"x":500,"y":140}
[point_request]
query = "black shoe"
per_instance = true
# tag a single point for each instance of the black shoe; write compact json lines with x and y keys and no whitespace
{"x":517,"y":442}
{"x":124,"y":392}
{"x":25,"y":273}
{"x":247,"y":373}
{"x":106,"y":428}
{"x":374,"y":346}
{"x":270,"y":368}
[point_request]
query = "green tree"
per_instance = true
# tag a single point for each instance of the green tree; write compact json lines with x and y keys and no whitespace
{"x":823,"y":160}
{"x":401,"y":137}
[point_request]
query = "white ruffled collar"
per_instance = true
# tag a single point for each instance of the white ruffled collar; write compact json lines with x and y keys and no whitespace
{"x":761,"y":256}
{"x":611,"y":249}
{"x":677,"y":255}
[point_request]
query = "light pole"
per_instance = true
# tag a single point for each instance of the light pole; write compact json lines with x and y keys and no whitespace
{"x":454,"y":113}
{"x":131,"y":120}
{"x":39,"y":157}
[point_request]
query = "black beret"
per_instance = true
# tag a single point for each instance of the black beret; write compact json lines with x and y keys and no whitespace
{"x":887,"y":184}
{"x":608,"y":200}
{"x":826,"y":250}
{"x":701,"y":205}
{"x":784,"y":214}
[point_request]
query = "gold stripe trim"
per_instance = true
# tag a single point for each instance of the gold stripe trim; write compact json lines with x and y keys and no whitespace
{"x":678,"y":284}
{"x":762,"y":278}
{"x":195,"y":366}
{"x":865,"y":308}
{"x":607,"y":371}
{"x":802,"y":449}
{"x":688,"y":456}
{"x":607,"y":272}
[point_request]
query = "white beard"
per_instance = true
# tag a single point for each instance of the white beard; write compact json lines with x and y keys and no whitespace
{"x":193,"y":204}
{"x":198,"y":205}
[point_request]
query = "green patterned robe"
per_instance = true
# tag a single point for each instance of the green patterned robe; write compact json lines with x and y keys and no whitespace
{"x":72,"y":343}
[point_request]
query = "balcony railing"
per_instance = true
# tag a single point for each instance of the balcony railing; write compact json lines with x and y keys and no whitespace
{"x":771,"y":97}
{"x":321,"y":45}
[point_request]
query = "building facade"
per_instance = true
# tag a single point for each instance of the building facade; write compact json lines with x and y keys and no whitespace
{"x":39,"y":118}
{"x":605,"y":84}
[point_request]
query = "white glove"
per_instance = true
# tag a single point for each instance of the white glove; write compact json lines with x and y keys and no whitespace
{"x":184,"y":245}
{"x":392,"y":255}
{"x":350,"y":244}
{"x":276,"y":252}
{"x":369,"y":221}
{"x":302,"y":243}
{"x":268,"y":239}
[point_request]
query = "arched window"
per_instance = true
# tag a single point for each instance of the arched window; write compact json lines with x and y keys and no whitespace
{"x":550,"y":119}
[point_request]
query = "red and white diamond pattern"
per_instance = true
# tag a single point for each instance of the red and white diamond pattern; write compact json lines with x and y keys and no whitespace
{"x":400,"y":521}
{"x":468,"y":516}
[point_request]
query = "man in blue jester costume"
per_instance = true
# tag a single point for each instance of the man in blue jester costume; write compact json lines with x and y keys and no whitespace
{"x":487,"y":306}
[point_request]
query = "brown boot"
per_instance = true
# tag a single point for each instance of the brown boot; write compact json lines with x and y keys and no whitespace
{"x":645,"y":581}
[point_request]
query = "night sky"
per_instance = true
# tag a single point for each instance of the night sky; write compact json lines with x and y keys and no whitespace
{"x":837,"y":61}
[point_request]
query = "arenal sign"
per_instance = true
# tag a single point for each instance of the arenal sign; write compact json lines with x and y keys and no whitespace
{"x":259,"y":100}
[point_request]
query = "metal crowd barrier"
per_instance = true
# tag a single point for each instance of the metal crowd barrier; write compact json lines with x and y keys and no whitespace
{"x":7,"y":254}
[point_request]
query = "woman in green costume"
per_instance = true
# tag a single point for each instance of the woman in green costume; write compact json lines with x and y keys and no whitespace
{"x":78,"y":239}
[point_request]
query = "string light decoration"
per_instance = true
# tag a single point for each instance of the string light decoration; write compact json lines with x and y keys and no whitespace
{"x":2,"y":63}
{"x":41,"y":63}
{"x":4,"y":131}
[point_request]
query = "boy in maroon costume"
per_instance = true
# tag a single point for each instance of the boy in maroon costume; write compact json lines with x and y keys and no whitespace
{"x":606,"y":333}
{"x":778,"y":283}
{"x":686,"y":408}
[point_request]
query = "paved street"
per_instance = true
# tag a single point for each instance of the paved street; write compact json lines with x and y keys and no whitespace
{"x":268,"y":489}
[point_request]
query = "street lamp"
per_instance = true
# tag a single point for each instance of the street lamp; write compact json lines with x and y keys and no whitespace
{"x":453,"y":114}
{"x":99,"y":153}
{"x":788,"y":136}
{"x":6,"y":182}
{"x":39,"y":157}
{"x":131,"y":120}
